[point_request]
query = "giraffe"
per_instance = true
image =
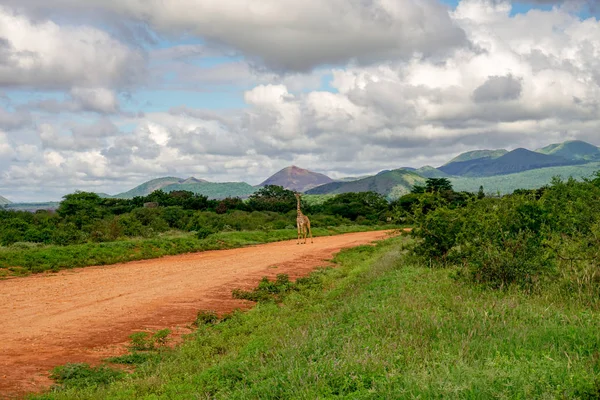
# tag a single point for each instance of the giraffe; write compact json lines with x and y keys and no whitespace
{"x":302,"y":222}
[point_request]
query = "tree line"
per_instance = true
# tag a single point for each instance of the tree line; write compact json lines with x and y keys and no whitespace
{"x":86,"y":217}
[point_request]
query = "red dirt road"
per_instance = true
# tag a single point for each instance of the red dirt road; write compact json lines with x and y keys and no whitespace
{"x":86,"y":314}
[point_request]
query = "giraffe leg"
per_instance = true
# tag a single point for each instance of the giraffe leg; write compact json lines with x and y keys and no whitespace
{"x":310,"y":232}
{"x":298,"y":242}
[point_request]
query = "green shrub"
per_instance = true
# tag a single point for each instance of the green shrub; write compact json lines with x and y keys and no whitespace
{"x":133,"y":358}
{"x":203,"y":233}
{"x":267,"y":291}
{"x":205,"y":317}
{"x":82,"y":375}
{"x":144,"y":341}
{"x":527,"y":238}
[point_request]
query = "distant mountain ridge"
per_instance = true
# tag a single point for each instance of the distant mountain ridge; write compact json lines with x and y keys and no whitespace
{"x":148,"y":187}
{"x":215,"y":190}
{"x":576,"y":150}
{"x":478,"y":154}
{"x":212,"y":190}
{"x":391,"y":184}
{"x":518,"y":160}
{"x":431,"y":172}
{"x":296,"y":179}
{"x":497,"y":170}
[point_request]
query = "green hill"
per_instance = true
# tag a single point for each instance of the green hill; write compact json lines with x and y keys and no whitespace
{"x":431,"y":172}
{"x":531,"y":179}
{"x":391,"y":184}
{"x":148,"y":187}
{"x":351,"y":178}
{"x":213,"y":190}
{"x":200,"y":186}
{"x":478,"y":154}
{"x":4,"y":201}
{"x":573,"y":150}
{"x":518,"y":160}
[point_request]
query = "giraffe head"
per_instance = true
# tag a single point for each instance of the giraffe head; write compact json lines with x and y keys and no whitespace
{"x":297,"y":195}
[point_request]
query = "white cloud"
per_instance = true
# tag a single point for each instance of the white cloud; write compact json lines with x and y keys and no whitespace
{"x":96,"y":99}
{"x":292,"y":35}
{"x":6,"y":149}
{"x":45,"y":54}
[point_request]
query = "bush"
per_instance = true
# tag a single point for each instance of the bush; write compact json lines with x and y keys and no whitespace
{"x":82,"y":375}
{"x":267,"y":291}
{"x":206,"y":318}
{"x":527,"y":238}
{"x":203,"y":233}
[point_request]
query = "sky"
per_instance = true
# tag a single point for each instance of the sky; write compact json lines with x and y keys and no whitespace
{"x":103,"y":95}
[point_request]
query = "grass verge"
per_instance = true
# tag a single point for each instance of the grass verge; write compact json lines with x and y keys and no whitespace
{"x":378,"y":328}
{"x":24,"y":260}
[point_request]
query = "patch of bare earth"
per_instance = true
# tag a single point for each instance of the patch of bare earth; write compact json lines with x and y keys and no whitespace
{"x":87,"y":314}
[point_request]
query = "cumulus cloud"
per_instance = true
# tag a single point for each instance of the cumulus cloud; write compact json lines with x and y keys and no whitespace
{"x":43,"y":54}
{"x":96,"y":100}
{"x":498,"y":88}
{"x":292,"y":35}
{"x":11,"y":120}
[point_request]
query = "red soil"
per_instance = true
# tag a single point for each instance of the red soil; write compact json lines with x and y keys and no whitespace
{"x":87,"y":314}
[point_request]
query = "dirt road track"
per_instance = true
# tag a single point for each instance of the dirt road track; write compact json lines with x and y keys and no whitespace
{"x":87,"y":314}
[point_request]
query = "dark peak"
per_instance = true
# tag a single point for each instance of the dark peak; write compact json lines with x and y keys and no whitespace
{"x":520,"y":150}
{"x":296,"y":178}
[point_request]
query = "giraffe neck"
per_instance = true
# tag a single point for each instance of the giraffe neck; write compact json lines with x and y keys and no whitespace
{"x":298,"y":207}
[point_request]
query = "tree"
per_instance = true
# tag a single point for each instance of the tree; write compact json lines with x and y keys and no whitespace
{"x":480,"y":193}
{"x":369,"y":205}
{"x":272,"y":198}
{"x":438,"y":185}
{"x":81,"y":208}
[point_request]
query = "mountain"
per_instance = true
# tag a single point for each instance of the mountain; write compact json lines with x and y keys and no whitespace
{"x":199,"y":186}
{"x":351,"y":178}
{"x":430,"y":172}
{"x":148,"y":187}
{"x":531,"y":179}
{"x":4,"y":201}
{"x":192,"y":180}
{"x":518,"y":160}
{"x":391,"y":184}
{"x":478,"y":154}
{"x":214,"y":190}
{"x":297,"y":179}
{"x":573,"y":150}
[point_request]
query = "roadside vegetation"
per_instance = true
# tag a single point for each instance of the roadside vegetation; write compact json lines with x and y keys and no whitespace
{"x":531,"y":239}
{"x":380,"y":325}
{"x":89,"y":230}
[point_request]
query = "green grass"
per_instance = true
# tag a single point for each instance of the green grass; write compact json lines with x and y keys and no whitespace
{"x":378,"y":328}
{"x":25,"y":258}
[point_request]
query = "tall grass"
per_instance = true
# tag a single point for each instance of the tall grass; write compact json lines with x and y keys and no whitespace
{"x":377,"y":327}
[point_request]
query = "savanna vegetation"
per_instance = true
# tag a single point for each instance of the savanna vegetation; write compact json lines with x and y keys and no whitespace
{"x":492,"y":297}
{"x":533,"y":239}
{"x":87,"y":229}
